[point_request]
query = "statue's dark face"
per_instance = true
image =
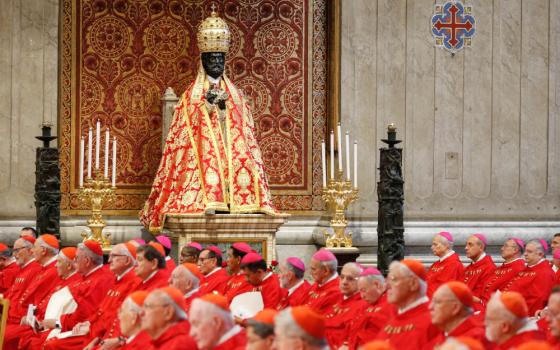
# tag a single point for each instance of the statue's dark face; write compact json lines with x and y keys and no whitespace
{"x":214,"y":63}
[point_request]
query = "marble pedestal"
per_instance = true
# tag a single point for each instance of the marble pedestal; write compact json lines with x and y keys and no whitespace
{"x":258,"y":230}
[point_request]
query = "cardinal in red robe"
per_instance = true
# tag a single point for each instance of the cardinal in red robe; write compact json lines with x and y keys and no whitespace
{"x":295,"y":289}
{"x":448,"y":267}
{"x":235,"y":253}
{"x":302,"y":322}
{"x":480,"y":270}
{"x":29,"y":268}
{"x":186,"y":278}
{"x":151,"y":267}
{"x":10,"y":268}
{"x":324,"y":292}
{"x":536,"y":281}
{"x":410,"y":327}
{"x":210,"y":265}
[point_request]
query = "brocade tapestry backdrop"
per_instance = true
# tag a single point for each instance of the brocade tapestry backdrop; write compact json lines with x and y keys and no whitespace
{"x":119,"y":56}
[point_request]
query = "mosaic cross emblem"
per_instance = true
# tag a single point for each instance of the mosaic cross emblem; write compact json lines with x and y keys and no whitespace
{"x":453,"y":25}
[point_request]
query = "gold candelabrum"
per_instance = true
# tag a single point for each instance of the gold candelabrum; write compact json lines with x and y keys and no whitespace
{"x":97,"y":192}
{"x":338,"y":195}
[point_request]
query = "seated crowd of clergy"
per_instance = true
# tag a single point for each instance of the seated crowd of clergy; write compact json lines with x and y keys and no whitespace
{"x":142,"y":300}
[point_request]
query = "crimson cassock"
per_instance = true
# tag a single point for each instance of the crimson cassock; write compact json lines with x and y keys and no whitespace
{"x":8,"y":275}
{"x":339,"y":316}
{"x":234,"y":339}
{"x":446,"y":269}
{"x":322,"y":297}
{"x":216,"y":281}
{"x":189,"y":297}
{"x":502,"y":275}
{"x":295,"y":296}
{"x":233,"y":284}
{"x":175,"y":337}
{"x":535,"y":284}
{"x":21,"y":282}
{"x":170,"y":264}
{"x":269,"y":288}
{"x":103,"y":323}
{"x":471,"y":327}
{"x":522,"y":336}
{"x":368,"y":322}
{"x":477,"y":275}
{"x":159,"y":279}
{"x":411,"y":329}
{"x":140,"y":341}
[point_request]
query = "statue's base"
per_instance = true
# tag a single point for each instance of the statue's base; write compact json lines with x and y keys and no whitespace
{"x":345,"y":255}
{"x":258,"y":230}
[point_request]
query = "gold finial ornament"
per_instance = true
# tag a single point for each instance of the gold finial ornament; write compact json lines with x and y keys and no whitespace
{"x":213,"y":34}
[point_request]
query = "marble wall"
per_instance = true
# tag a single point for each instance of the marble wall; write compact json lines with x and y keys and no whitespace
{"x":481,"y":129}
{"x":28,"y":95}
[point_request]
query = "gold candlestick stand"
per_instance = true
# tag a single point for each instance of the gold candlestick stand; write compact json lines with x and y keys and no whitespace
{"x":338,"y":195}
{"x":97,"y":192}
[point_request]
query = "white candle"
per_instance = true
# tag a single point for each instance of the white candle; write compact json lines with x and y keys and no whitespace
{"x":97,"y":142}
{"x":113,"y":182}
{"x":82,"y":150}
{"x":347,"y":156}
{"x":106,"y":167}
{"x":356,"y":164}
{"x":90,"y":143}
{"x":332,"y":154}
{"x":339,"y":141}
{"x":324,"y":164}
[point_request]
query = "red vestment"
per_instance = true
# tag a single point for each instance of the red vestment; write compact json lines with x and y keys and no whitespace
{"x":502,"y":275}
{"x":296,"y":297}
{"x":535,"y":284}
{"x":170,"y":264}
{"x":159,"y":280}
{"x":269,"y":288}
{"x":235,"y":282}
{"x":175,"y":337}
{"x":520,"y":338}
{"x":21,"y":282}
{"x":368,"y":321}
{"x":322,"y":297}
{"x":141,"y":341}
{"x":8,"y":275}
{"x":189,"y":297}
{"x":557,"y":277}
{"x":338,"y":318}
{"x":477,"y":275}
{"x":215,"y":281}
{"x":412,"y":329}
{"x":443,"y":271}
{"x":471,"y":327}
{"x":235,"y":339}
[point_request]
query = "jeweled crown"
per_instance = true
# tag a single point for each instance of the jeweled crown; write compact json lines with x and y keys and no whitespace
{"x":213,"y":35}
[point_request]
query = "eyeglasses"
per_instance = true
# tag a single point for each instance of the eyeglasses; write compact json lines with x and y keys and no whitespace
{"x":152,"y":306}
{"x":348,"y":278}
{"x":441,"y":301}
{"x":15,"y":250}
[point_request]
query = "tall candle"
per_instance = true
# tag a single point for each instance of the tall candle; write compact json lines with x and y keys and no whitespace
{"x":332,"y":154}
{"x":347,"y":156}
{"x":356,"y":164}
{"x":323,"y":163}
{"x":113,"y":182}
{"x":106,"y":165}
{"x":97,"y":142}
{"x":339,"y":140}
{"x":82,"y":150}
{"x":90,"y":143}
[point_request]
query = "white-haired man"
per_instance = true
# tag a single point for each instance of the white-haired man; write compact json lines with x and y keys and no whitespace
{"x":325,"y":290}
{"x":346,"y":308}
{"x":451,"y":311}
{"x":130,"y":322}
{"x":299,"y":328}
{"x":536,"y":281}
{"x":375,"y":313}
{"x":212,"y":325}
{"x":187,"y":277}
{"x":448,"y":267}
{"x":507,"y":322}
{"x":295,"y":287}
{"x":102,"y":324}
{"x":481,"y":268}
{"x":410,"y":326}
{"x":165,"y":320}
{"x":553,"y":315}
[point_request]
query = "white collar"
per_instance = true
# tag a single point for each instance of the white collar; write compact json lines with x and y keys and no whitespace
{"x":482,"y":256}
{"x":93,"y":270}
{"x":119,"y":277}
{"x":229,"y":334}
{"x":49,"y":262}
{"x":334,"y":276}
{"x":451,"y":252}
{"x":191,"y":292}
{"x":131,"y":338}
{"x":167,"y":258}
{"x":531,"y":325}
{"x":554,"y":268}
{"x":213,"y":271}
{"x":150,"y":276}
{"x":514,"y":260}
{"x":266,"y":277}
{"x":70,"y":275}
{"x":10,"y":263}
{"x":295,"y":286}
{"x":540,"y":261}
{"x":213,"y":80}
{"x":414,"y":304}
{"x":29,"y":262}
